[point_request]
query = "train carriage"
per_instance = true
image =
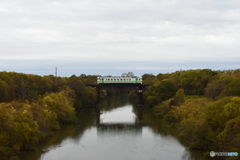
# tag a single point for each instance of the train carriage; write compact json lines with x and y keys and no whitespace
{"x":119,"y":79}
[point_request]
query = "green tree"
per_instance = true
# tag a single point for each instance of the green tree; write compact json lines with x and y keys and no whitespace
{"x":62,"y":106}
{"x":147,"y":78}
{"x":192,"y":124}
{"x":4,"y":91}
{"x":180,"y":97}
{"x":229,"y":138}
{"x":17,"y":128}
{"x":195,"y":81}
{"x":214,"y":89}
{"x":165,"y":90}
{"x":233,"y":88}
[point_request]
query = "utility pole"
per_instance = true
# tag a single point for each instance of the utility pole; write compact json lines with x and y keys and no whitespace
{"x":55,"y":71}
{"x":56,"y":78}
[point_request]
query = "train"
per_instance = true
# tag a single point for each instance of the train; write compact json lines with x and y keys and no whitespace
{"x":119,"y":79}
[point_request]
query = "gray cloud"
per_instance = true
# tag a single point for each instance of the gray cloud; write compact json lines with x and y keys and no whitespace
{"x":157,"y":35}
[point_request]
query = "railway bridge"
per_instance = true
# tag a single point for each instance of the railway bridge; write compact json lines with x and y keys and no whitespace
{"x":140,"y":88}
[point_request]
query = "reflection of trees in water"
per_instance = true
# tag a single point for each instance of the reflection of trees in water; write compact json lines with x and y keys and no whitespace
{"x":139,"y":114}
{"x":119,"y":128}
{"x":166,"y":129}
{"x":86,"y":119}
{"x":195,"y":155}
{"x":114,"y":101}
{"x":89,"y":117}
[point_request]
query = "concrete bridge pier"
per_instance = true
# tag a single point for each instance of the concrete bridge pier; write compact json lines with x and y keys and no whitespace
{"x":140,"y":98}
{"x":98,"y":105}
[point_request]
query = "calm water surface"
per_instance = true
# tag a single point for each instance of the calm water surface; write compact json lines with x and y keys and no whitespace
{"x":123,"y":133}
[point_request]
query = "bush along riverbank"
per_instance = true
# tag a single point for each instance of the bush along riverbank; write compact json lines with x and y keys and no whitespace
{"x":203,"y":105}
{"x":24,"y":124}
{"x":32,"y":107}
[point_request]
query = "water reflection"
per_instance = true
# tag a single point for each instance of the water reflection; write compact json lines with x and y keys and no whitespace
{"x":114,"y":133}
{"x":119,"y":121}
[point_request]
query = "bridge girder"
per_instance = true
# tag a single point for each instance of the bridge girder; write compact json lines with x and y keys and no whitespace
{"x":121,"y":86}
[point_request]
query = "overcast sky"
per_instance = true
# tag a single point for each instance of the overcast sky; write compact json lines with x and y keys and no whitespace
{"x":109,"y":37}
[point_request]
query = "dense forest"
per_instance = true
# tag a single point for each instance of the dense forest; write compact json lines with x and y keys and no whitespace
{"x":32,"y":107}
{"x":204,"y":106}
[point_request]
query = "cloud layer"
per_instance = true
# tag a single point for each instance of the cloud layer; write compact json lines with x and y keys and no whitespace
{"x":111,"y":37}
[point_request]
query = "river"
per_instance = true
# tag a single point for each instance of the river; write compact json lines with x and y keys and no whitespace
{"x":114,"y":133}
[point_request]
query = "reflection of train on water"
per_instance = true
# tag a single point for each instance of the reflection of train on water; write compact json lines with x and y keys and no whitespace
{"x":119,"y":79}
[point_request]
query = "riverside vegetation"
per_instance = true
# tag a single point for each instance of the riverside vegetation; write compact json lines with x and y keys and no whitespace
{"x":204,"y":106}
{"x":33,"y":107}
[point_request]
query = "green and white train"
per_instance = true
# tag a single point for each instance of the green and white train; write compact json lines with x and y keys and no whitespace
{"x":119,"y":79}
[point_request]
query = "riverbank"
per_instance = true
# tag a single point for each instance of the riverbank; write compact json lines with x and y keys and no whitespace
{"x":24,"y":124}
{"x":32,"y":107}
{"x":136,"y":135}
{"x":203,"y":105}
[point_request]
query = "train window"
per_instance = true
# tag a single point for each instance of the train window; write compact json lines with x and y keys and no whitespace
{"x":114,"y":79}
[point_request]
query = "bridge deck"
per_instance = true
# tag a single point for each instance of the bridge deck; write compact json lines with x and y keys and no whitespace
{"x":120,"y":86}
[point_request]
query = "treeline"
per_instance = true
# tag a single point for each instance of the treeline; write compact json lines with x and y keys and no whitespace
{"x":204,"y":105}
{"x":32,"y":107}
{"x":21,"y":87}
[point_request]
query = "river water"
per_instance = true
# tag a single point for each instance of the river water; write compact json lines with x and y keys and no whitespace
{"x":114,"y":133}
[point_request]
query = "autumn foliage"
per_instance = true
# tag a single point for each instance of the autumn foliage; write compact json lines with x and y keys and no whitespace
{"x":32,"y":107}
{"x":205,"y":107}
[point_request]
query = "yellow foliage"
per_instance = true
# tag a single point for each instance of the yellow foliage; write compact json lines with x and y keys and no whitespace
{"x":23,"y":124}
{"x":192,"y":108}
{"x":61,"y":105}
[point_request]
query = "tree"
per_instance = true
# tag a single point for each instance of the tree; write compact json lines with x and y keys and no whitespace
{"x":165,"y":90}
{"x":192,"y":124}
{"x":129,"y":74}
{"x":195,"y":81}
{"x":214,"y":89}
{"x":180,"y":97}
{"x":124,"y":74}
{"x":148,"y":79}
{"x":17,"y":128}
{"x":233,"y":88}
{"x":229,"y":138}
{"x":62,"y":106}
{"x":4,"y":91}
{"x":146,"y":76}
{"x":90,"y":80}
